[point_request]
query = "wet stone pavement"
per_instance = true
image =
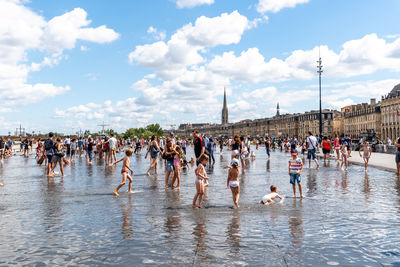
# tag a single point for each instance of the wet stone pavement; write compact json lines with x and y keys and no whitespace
{"x":348,"y":218}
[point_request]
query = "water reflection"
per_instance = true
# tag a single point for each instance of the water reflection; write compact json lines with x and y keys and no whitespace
{"x":52,"y":204}
{"x":311,"y":181}
{"x":172,"y":223}
{"x":126,"y":210}
{"x":233,"y":234}
{"x":344,"y":180}
{"x":199,"y":234}
{"x":295,"y":221}
{"x":366,"y":188}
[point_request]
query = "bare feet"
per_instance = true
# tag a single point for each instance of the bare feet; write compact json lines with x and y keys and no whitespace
{"x":302,"y":196}
{"x":294,"y":196}
{"x":195,"y":206}
{"x":1,"y":185}
{"x":115,"y":193}
{"x":130,"y":191}
{"x":147,"y":173}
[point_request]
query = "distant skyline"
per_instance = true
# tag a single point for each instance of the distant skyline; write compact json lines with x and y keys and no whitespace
{"x":66,"y":65}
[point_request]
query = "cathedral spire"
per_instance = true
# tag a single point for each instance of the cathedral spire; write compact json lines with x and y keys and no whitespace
{"x":277,"y":110}
{"x":224,"y":115}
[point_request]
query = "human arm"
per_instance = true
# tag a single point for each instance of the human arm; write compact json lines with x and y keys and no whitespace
{"x":229,"y":178}
{"x":302,"y":167}
{"x":359,"y":151}
{"x":118,"y":161}
{"x":397,"y":144}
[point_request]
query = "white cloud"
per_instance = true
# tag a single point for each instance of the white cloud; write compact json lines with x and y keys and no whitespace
{"x":357,"y":57}
{"x":62,"y":32}
{"x":158,"y":35}
{"x":275,"y":6}
{"x":192,"y":3}
{"x":170,"y":59}
{"x":21,"y":31}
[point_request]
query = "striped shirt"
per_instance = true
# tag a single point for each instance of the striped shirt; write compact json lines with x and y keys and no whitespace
{"x":295,"y":165}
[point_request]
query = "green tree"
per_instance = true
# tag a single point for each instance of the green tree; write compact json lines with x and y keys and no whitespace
{"x":155,"y":129}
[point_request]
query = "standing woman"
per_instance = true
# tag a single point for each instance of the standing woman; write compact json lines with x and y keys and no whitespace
{"x":153,"y":148}
{"x":58,"y":156}
{"x":326,"y":148}
{"x":268,"y":147}
{"x":106,"y":151}
{"x":169,"y":154}
{"x":336,"y":144}
{"x":210,"y":148}
{"x":236,"y":146}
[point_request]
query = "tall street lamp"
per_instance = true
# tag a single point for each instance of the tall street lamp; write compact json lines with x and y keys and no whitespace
{"x":320,"y":105}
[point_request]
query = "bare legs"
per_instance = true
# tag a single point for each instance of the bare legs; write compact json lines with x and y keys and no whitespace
{"x":235,"y":195}
{"x":300,"y":190}
{"x":153,"y":164}
{"x":199,"y":195}
{"x":124,"y":176}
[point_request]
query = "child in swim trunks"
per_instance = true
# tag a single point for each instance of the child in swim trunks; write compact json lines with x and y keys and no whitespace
{"x":366,"y":155}
{"x":233,"y":181}
{"x":124,"y":171}
{"x":344,"y":154}
{"x":295,"y":170}
{"x":201,"y":175}
{"x":269,"y":199}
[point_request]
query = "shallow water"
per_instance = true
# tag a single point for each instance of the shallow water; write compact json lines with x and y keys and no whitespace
{"x":347,"y":219}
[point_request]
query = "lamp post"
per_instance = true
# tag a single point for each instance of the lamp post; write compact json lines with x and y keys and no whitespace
{"x":320,"y":104}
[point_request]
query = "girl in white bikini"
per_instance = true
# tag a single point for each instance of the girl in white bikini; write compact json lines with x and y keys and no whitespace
{"x":367,"y":154}
{"x":233,"y":181}
{"x":201,"y":175}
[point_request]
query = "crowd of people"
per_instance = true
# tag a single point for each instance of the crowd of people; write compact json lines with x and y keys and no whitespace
{"x":55,"y":151}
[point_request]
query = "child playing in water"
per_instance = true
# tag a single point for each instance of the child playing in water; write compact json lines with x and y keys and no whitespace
{"x":295,"y":169}
{"x":201,"y":175}
{"x":177,"y":168}
{"x":268,"y":199}
{"x":343,"y":151}
{"x":233,"y":181}
{"x":367,"y":154}
{"x":124,"y":171}
{"x":184,"y":166}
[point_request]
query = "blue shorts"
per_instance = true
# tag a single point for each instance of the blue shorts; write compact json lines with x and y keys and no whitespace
{"x":295,"y":177}
{"x":398,"y":157}
{"x":170,"y":166}
{"x":90,"y":154}
{"x":311,"y":154}
{"x":267,"y":150}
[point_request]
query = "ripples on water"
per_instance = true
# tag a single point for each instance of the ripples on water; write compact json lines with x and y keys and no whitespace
{"x":348,"y":219}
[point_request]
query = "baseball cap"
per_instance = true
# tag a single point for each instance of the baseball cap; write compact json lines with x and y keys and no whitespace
{"x":235,"y":162}
{"x":294,"y":152}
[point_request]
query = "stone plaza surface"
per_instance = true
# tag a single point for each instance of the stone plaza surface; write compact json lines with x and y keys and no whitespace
{"x":349,"y":218}
{"x":384,"y":161}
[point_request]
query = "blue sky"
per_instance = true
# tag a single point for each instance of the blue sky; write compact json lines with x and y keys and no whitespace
{"x":69,"y":65}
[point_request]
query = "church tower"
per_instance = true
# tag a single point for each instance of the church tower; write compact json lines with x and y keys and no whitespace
{"x":224,"y":115}
{"x":277,"y":110}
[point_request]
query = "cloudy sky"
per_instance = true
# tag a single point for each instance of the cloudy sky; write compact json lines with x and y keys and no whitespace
{"x":66,"y":65}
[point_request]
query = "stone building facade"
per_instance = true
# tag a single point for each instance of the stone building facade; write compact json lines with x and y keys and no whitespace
{"x":363,"y":120}
{"x":390,"y":111}
{"x":374,"y":120}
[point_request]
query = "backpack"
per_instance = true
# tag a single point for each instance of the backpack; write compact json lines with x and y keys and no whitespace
{"x":48,"y":145}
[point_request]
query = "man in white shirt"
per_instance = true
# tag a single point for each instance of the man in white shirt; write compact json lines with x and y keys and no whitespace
{"x":312,"y":147}
{"x":113,"y":148}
